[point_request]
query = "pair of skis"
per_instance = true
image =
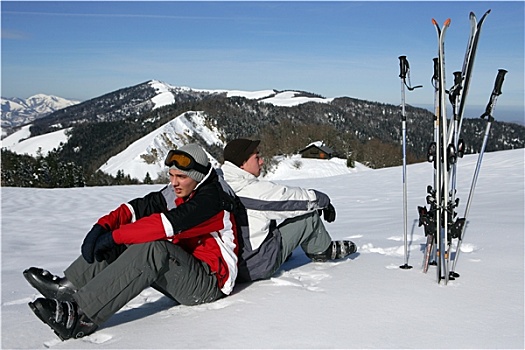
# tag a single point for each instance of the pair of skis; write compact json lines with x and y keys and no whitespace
{"x":439,"y":221}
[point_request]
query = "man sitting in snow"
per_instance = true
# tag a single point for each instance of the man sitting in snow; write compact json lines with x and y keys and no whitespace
{"x":264,"y":244}
{"x":180,"y":240}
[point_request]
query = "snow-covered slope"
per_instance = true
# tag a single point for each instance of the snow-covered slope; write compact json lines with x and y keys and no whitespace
{"x":366,"y":301}
{"x":295,"y":167}
{"x":147,"y":154}
{"x":19,"y":142}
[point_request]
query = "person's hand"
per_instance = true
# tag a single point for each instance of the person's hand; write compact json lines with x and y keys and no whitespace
{"x":103,"y":246}
{"x":329,"y":213}
{"x":88,"y":246}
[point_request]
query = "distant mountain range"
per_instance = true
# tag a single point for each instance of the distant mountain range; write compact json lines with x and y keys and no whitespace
{"x":130,"y":130}
{"x":17,"y":111}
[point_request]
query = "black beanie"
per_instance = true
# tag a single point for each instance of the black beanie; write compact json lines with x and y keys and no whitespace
{"x":239,"y":150}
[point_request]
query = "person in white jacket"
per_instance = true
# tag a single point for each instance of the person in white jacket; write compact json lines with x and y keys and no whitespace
{"x":278,"y":218}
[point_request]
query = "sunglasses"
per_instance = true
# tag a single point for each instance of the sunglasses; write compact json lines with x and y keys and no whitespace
{"x":185,"y":161}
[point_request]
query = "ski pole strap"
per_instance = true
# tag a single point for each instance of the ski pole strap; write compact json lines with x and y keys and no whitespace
{"x":404,"y":69}
{"x":495,"y":93}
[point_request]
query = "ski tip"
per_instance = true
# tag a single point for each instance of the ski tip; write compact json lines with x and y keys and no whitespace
{"x":447,"y":22}
{"x":434,"y":22}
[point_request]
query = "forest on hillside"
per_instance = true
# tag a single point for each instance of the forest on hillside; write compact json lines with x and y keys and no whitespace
{"x":357,"y":130}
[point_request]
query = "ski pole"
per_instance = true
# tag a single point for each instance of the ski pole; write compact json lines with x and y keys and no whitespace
{"x":451,"y":159}
{"x":404,"y":73}
{"x":454,"y":99}
{"x":431,"y":249}
{"x":488,"y":113}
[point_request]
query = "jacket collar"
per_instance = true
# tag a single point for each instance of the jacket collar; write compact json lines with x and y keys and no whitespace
{"x":236,"y":171}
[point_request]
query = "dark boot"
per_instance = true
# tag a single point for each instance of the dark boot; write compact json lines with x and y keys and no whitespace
{"x":52,"y":287}
{"x":336,"y":250}
{"x":64,"y":317}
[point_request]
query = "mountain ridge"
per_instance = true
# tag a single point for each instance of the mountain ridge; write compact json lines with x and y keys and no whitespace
{"x":101,"y":129}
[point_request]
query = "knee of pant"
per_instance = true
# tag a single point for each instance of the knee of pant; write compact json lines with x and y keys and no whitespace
{"x":155,"y":249}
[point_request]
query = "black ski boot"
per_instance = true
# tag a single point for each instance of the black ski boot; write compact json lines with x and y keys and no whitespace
{"x":52,"y":287}
{"x":336,"y":250}
{"x":64,"y":317}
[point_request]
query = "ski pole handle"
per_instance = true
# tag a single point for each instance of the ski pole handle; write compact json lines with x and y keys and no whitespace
{"x":454,"y":91}
{"x":457,"y":78}
{"x":403,"y":67}
{"x":404,"y":72}
{"x":435,"y":77}
{"x":495,"y":93}
{"x":499,"y":82}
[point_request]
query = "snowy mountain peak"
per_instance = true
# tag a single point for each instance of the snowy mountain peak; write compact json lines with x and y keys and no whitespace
{"x":278,"y":98}
{"x":17,"y":111}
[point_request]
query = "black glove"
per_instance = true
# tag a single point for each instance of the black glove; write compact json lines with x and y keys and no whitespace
{"x":329,"y":213}
{"x":88,"y":246}
{"x":104,"y":246}
{"x":97,"y":241}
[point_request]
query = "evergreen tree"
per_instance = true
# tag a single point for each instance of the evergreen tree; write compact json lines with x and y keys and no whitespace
{"x":119,"y":179}
{"x":147,"y":179}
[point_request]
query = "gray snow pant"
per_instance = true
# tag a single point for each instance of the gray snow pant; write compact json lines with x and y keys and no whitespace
{"x":306,"y":231}
{"x":104,"y":288}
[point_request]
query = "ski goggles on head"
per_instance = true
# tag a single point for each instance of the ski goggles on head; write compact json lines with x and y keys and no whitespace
{"x":185,"y":161}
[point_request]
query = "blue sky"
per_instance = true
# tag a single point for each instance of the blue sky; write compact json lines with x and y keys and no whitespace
{"x":81,"y":50}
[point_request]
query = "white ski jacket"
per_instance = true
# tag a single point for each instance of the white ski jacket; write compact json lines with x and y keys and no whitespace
{"x":267,"y":204}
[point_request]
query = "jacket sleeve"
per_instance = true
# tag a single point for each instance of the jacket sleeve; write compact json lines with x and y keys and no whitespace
{"x":281,"y":202}
{"x":116,"y":218}
{"x":165,"y":224}
{"x":137,"y":208}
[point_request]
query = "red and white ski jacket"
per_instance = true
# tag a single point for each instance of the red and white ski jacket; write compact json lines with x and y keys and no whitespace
{"x":202,"y":224}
